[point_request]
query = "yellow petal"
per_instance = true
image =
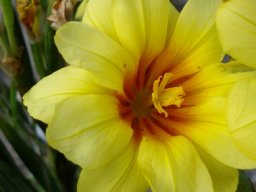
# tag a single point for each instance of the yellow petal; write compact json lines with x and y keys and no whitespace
{"x":173,"y":165}
{"x":241,"y":104}
{"x":99,"y":15}
{"x":190,"y":171}
{"x":67,"y":82}
{"x":236,"y":22}
{"x":88,"y":130}
{"x":194,"y":43}
{"x":206,"y":52}
{"x":211,"y":133}
{"x":194,"y":23}
{"x":217,"y":141}
{"x":242,"y":115}
{"x":205,"y":112}
{"x":81,"y":10}
{"x":129,"y":23}
{"x":134,"y":24}
{"x":159,"y":16}
{"x":224,"y":178}
{"x":173,"y":17}
{"x":122,"y":20}
{"x":84,"y":46}
{"x":213,"y":81}
{"x":245,"y":139}
{"x":120,"y":174}
{"x":154,"y":161}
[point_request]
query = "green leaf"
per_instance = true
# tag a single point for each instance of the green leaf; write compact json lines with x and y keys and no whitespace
{"x":8,"y":16}
{"x":34,"y":162}
{"x":12,"y":181}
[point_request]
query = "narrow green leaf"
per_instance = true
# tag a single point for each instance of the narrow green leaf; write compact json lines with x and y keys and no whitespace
{"x":38,"y":58}
{"x":9,"y":24}
{"x":34,"y":162}
{"x":13,"y":181}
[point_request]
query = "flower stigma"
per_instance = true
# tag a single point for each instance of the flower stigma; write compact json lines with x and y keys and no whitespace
{"x":163,"y":97}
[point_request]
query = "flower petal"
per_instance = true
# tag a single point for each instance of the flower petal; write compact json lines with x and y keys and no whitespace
{"x":81,"y":10}
{"x":88,"y":130}
{"x":241,"y":104}
{"x":159,"y":16}
{"x":122,"y":20}
{"x":84,"y":46}
{"x":214,"y":81}
{"x":216,"y":140}
{"x":173,"y":165}
{"x":134,"y":24}
{"x":67,"y":82}
{"x":195,"y":21}
{"x":160,"y":21}
{"x":206,"y":52}
{"x":173,"y":17}
{"x":188,"y":166}
{"x":211,"y":134}
{"x":236,"y":22}
{"x":201,"y":113}
{"x":194,"y":43}
{"x":224,"y":178}
{"x":120,"y":174}
{"x":242,"y":115}
{"x":154,"y":161}
{"x":132,"y":34}
{"x":99,"y":15}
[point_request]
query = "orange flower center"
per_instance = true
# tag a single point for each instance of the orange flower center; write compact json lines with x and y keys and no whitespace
{"x":146,"y":110}
{"x":142,"y":104}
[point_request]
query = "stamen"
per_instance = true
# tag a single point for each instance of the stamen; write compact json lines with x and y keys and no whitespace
{"x":163,"y":97}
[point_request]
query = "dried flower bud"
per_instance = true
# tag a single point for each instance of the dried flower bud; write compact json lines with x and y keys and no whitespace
{"x":28,"y":14}
{"x":62,"y":12}
{"x":11,"y":65}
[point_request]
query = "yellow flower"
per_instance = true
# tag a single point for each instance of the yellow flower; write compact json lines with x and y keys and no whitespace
{"x":143,"y":103}
{"x":236,"y":21}
{"x":242,"y":115}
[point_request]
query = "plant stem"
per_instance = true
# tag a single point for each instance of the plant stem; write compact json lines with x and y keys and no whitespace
{"x":4,"y":43}
{"x":37,"y":54}
{"x":8,"y":18}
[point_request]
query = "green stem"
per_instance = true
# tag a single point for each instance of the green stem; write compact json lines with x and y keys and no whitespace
{"x":37,"y":54}
{"x":44,"y":4}
{"x":8,"y":17}
{"x":4,"y":43}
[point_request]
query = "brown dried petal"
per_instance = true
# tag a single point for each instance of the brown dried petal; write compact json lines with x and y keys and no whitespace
{"x":27,"y":11}
{"x":62,"y":12}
